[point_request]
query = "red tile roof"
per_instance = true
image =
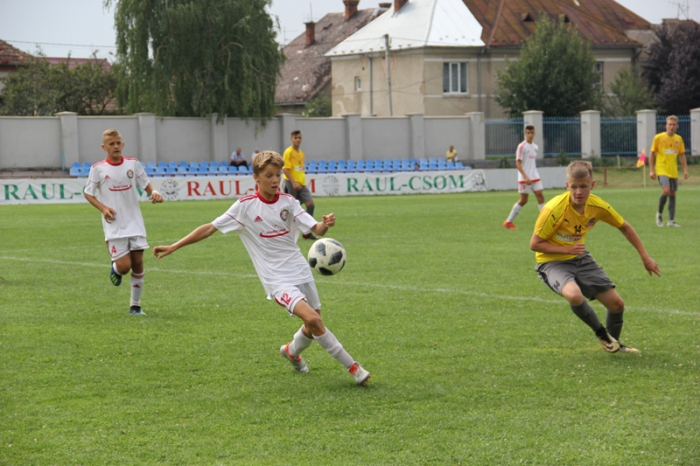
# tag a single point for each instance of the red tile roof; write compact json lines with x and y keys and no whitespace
{"x":306,"y":70}
{"x":509,"y":22}
{"x":12,"y":56}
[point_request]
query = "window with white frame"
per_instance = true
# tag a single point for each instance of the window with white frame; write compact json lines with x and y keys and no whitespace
{"x":358,"y":83}
{"x":598,"y":68}
{"x":454,"y":78}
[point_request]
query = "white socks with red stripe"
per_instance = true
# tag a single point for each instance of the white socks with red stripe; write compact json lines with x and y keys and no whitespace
{"x":330,"y":343}
{"x":299,"y":343}
{"x":514,"y":212}
{"x":136,"y":288}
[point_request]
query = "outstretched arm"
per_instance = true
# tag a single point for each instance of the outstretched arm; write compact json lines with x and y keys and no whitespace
{"x":649,"y":264}
{"x":202,"y":232}
{"x":322,"y":227}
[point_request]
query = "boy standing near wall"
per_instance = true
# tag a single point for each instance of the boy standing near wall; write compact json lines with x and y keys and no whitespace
{"x":295,"y":176}
{"x":665,"y":150}
{"x":114,"y":181}
{"x":528,"y":176}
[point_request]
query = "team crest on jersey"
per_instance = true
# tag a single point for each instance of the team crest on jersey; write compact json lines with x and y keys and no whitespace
{"x":284,"y":214}
{"x":591,"y":223}
{"x":130,"y":174}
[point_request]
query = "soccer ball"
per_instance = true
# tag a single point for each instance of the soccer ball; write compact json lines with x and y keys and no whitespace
{"x":327,"y":256}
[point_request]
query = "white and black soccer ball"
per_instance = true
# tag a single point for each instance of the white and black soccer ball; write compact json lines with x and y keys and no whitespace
{"x":327,"y":256}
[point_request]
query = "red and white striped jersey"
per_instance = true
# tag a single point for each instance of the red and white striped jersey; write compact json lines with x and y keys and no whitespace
{"x":114,"y":185}
{"x":269,"y":231}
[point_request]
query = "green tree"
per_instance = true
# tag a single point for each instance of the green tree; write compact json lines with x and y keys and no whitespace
{"x":629,"y":94}
{"x":42,"y":89}
{"x":197,"y":57}
{"x":673,"y":66}
{"x":555,"y":73}
{"x":318,"y":107}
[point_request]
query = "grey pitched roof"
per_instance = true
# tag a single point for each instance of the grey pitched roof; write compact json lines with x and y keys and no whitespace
{"x":306,"y":69}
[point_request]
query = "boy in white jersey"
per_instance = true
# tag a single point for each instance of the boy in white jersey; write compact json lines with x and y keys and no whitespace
{"x":269,"y":223}
{"x":568,"y":269}
{"x":111,"y":188}
{"x":528,"y":177}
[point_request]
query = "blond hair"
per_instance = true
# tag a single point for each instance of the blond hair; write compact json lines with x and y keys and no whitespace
{"x":111,"y":132}
{"x":579,"y":169}
{"x":267,"y":157}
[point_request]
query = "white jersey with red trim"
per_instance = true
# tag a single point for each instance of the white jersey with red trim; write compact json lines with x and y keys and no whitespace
{"x":114,"y":185}
{"x":527,"y":154}
{"x":269,"y":231}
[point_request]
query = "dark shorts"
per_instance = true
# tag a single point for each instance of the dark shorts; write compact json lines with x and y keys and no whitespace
{"x":303,"y":195}
{"x":584,"y":270}
{"x":666,"y":182}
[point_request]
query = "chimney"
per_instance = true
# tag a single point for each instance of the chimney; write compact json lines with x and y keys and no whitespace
{"x":398,"y":4}
{"x":310,"y":33}
{"x":350,"y":8}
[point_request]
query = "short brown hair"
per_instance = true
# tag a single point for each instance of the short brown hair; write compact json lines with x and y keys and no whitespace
{"x":111,"y":132}
{"x":579,"y":169}
{"x":295,"y":132}
{"x":267,"y":157}
{"x":529,"y":128}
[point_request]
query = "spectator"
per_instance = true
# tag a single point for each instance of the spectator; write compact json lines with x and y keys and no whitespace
{"x":238,"y":159}
{"x":256,"y":151}
{"x":451,"y":155}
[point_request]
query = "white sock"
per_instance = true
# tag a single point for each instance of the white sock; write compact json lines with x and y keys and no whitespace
{"x":114,"y":267}
{"x":514,"y":212}
{"x":330,"y":343}
{"x":540,"y":206}
{"x":299,"y":343}
{"x":136,"y":288}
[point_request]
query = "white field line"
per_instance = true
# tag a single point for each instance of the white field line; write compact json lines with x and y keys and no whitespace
{"x":353,"y":284}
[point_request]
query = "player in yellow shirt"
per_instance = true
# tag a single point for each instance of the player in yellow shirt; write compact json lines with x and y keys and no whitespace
{"x":295,"y":176}
{"x":663,"y":164}
{"x":568,"y":269}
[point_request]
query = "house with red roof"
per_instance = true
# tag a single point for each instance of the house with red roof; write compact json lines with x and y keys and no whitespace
{"x":444,"y":55}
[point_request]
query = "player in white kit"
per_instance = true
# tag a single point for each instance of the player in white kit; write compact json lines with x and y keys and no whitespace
{"x":112,"y":189}
{"x":269,"y":223}
{"x":528,"y":177}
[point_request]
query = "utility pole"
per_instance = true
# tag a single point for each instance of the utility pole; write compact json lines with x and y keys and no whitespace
{"x":388,"y":70}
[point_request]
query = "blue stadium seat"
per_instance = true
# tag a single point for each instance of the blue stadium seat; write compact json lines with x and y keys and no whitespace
{"x":359,"y":165}
{"x":406,"y":165}
{"x":342,"y":166}
{"x":350,"y":166}
{"x":182,"y":165}
{"x":214,"y":163}
{"x":204,"y":164}
{"x":76,"y":171}
{"x":232,"y":170}
{"x":151,"y":165}
{"x":194,"y":165}
{"x":243,"y":170}
{"x":171,"y":170}
{"x":150,"y":171}
{"x":369,"y":165}
{"x":432,"y":160}
{"x":76,"y":165}
{"x":223,"y":169}
{"x":432,"y":166}
{"x":161,"y":171}
{"x":451,"y":165}
{"x":458,"y":165}
{"x":172,"y":164}
{"x":193,"y":171}
{"x":162,"y":164}
{"x":86,"y":167}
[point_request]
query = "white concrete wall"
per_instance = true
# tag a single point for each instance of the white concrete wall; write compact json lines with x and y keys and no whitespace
{"x":30,"y":142}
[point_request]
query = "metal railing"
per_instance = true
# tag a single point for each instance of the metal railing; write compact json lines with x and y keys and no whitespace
{"x":562,"y":134}
{"x":503,"y":136}
{"x":618,"y":136}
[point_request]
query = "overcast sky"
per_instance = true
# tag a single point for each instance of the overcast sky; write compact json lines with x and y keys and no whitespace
{"x":80,"y":27}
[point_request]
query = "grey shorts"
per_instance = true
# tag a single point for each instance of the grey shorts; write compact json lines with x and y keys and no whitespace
{"x":666,"y":182}
{"x":303,"y":196}
{"x":584,"y":270}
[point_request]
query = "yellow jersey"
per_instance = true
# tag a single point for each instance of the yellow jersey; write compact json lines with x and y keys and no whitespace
{"x":294,"y":162}
{"x":666,"y":150}
{"x":560,"y":224}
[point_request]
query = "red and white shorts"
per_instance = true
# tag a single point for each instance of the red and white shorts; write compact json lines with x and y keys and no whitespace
{"x":120,"y":247}
{"x":524,"y":188}
{"x":290,"y":295}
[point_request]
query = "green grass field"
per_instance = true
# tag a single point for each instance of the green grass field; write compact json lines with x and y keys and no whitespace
{"x":474,"y":361}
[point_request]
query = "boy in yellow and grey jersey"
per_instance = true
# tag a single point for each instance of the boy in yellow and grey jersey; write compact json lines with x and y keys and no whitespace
{"x":564,"y":264}
{"x":666,"y":149}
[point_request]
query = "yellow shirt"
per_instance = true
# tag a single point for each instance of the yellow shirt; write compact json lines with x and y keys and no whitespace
{"x":294,"y":162}
{"x":450,"y":154}
{"x":560,"y":224}
{"x":667,"y":149}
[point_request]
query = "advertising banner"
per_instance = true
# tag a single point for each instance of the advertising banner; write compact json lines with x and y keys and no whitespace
{"x":186,"y":188}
